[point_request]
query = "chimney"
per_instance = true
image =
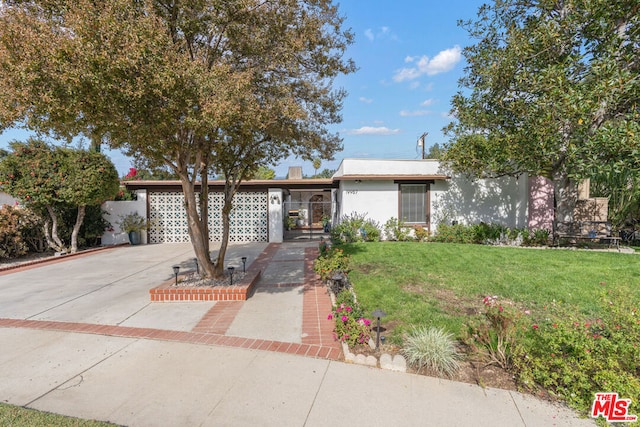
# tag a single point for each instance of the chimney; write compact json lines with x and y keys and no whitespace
{"x":295,"y":172}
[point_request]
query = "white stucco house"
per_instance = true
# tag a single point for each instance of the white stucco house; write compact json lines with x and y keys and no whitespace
{"x":420,"y":192}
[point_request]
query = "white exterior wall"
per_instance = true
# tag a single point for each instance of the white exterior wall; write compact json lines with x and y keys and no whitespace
{"x":113,"y":210}
{"x":387,"y":167}
{"x":499,"y":201}
{"x":6,"y":199}
{"x":377,"y":199}
{"x":276,"y":226}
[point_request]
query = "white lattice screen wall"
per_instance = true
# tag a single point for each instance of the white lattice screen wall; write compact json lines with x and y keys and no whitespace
{"x":249,"y":218}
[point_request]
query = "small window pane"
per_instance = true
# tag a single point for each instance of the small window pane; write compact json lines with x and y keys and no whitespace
{"x":413,"y":203}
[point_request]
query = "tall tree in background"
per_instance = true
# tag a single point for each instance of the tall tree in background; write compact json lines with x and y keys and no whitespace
{"x":51,"y":179}
{"x":316,"y":165}
{"x":554,"y":89}
{"x":180,"y":84}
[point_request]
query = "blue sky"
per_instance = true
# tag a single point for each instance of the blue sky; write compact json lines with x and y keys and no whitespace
{"x":408,"y":54}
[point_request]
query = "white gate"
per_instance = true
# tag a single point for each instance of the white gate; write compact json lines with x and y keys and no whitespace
{"x":168,"y":219}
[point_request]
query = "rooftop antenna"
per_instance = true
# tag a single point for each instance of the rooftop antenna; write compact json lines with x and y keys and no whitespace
{"x":421,"y":141}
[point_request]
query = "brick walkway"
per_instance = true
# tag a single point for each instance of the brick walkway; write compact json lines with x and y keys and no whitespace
{"x":317,"y":338}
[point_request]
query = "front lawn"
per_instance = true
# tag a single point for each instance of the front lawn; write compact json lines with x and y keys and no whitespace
{"x":577,"y":312}
{"x":17,"y":416}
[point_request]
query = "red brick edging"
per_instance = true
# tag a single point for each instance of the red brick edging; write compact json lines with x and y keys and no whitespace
{"x":318,"y":351}
{"x":240,"y":291}
{"x":8,"y":269}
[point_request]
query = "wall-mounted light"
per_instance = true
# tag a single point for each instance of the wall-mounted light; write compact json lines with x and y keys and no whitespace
{"x":275,"y":199}
{"x":357,"y":181}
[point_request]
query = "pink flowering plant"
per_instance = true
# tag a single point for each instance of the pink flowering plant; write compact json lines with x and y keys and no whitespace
{"x":573,"y":355}
{"x":351,"y":326}
{"x":494,"y":336}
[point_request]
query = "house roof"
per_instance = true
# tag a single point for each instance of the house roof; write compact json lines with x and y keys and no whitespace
{"x":349,"y":170}
{"x":390,"y":177}
{"x":253,"y":184}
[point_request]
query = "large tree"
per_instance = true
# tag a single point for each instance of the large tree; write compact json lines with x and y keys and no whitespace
{"x":551,"y":89}
{"x":180,"y":84}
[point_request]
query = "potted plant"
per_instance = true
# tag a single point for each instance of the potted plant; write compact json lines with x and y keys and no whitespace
{"x":132,"y":224}
{"x":326,"y":223}
{"x":301,"y":218}
{"x":289,"y":223}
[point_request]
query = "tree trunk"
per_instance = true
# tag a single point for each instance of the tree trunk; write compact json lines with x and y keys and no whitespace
{"x":230,"y":188}
{"x":566,"y":195}
{"x":76,"y":228}
{"x":204,"y":207}
{"x":197,"y":232}
{"x":52,"y":234}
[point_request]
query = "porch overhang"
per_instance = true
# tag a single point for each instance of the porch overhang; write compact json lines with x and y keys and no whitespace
{"x":251,"y":185}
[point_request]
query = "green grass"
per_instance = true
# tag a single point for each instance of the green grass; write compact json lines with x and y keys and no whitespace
{"x":434,"y":284}
{"x":17,"y":416}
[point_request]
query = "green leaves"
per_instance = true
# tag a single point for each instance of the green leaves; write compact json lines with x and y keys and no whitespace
{"x":552,"y":89}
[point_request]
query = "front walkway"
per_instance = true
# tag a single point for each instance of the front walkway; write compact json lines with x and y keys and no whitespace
{"x":287,"y":313}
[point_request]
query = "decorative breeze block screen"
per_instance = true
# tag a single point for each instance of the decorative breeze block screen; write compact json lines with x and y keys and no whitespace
{"x":249,"y":217}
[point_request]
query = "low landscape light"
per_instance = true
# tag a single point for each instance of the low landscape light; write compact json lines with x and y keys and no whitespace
{"x":231,"y":275}
{"x":244,"y":264}
{"x":378,"y":314}
{"x":195,"y":260}
{"x":176,"y":270}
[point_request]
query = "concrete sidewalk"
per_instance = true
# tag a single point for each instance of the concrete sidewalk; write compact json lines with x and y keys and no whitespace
{"x":54,"y":356}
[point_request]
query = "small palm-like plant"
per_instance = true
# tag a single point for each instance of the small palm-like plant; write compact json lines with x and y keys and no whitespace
{"x":433,"y":349}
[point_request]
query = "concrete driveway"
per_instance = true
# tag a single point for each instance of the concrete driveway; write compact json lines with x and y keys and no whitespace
{"x":110,"y":287}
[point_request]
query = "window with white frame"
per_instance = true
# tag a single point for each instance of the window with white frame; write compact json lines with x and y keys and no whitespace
{"x":413,"y":203}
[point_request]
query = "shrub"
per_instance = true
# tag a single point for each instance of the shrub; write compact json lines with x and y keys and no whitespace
{"x":494,"y":337}
{"x":355,"y":228}
{"x":433,"y":349}
{"x":490,"y":234}
{"x":93,"y":225}
{"x":456,"y":233}
{"x":351,"y":326}
{"x":20,"y":231}
{"x":538,"y":237}
{"x":420,"y":233}
{"x":574,"y":356}
{"x":332,"y":261}
{"x":396,"y":230}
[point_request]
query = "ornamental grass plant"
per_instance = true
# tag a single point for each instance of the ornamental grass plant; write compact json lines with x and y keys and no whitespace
{"x":433,"y":349}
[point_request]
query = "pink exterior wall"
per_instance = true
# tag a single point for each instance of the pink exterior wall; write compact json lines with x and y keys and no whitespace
{"x":540,"y":203}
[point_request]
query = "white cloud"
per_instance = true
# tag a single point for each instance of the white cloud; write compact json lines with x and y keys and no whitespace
{"x":408,"y":59}
{"x":444,"y":61}
{"x":428,"y":102}
{"x":365,"y":100}
{"x":369,"y":34}
{"x":416,"y":113}
{"x":369,"y":130}
{"x":381,"y":33}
